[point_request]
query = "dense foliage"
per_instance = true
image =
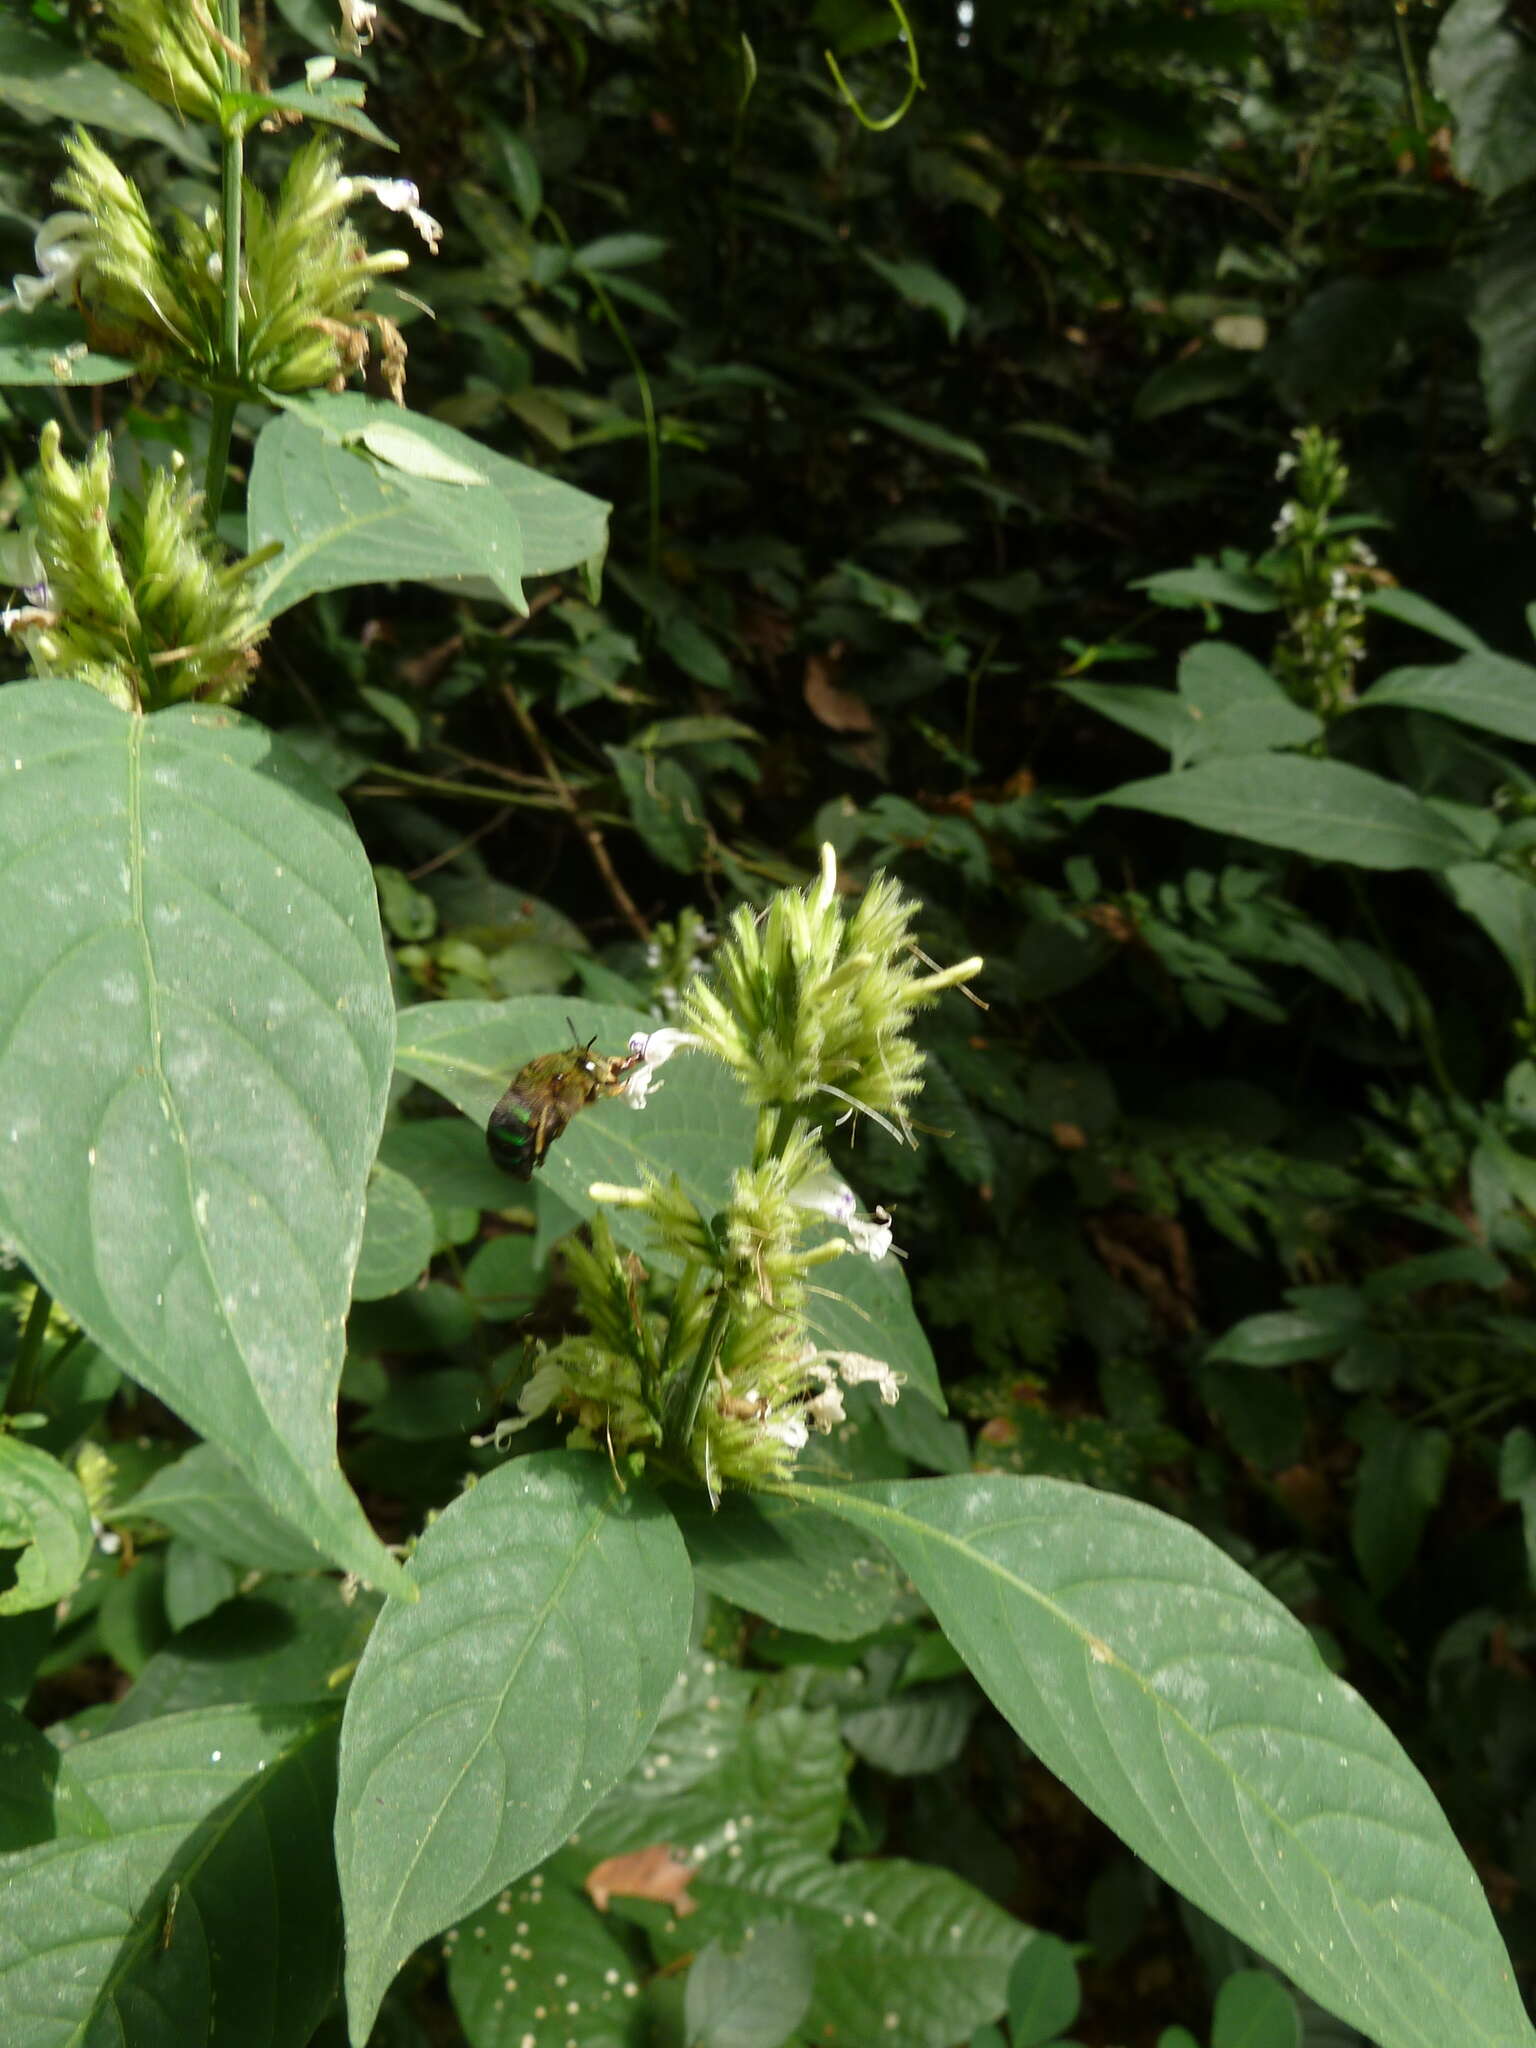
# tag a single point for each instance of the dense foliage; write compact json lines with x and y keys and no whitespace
{"x":1099,"y":500}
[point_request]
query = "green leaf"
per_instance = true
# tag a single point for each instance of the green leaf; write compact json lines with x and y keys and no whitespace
{"x":695,"y":1124}
{"x":1486,"y":72}
{"x":46,"y":1518}
{"x":1503,"y":282}
{"x":49,"y":346}
{"x":205,"y":1499}
{"x":1192,"y":1712}
{"x":1204,"y":378}
{"x":924,"y":434}
{"x":714,"y":1757}
{"x":665,"y":803}
{"x":45,"y":77}
{"x":334,"y":102}
{"x":486,"y":1720}
{"x":195,"y":1038}
{"x":290,"y":1642}
{"x":1043,"y":1992}
{"x":39,"y":1796}
{"x":1254,"y":2010}
{"x":1236,"y":706}
{"x":446,"y":1161}
{"x":1485,"y":690}
{"x":212,"y":1891}
{"x":1155,"y":715}
{"x":922,"y":286}
{"x":504,"y":1279}
{"x":343,"y":519}
{"x":397,"y":1236}
{"x":788,"y":1562}
{"x":1504,"y":904}
{"x":619,"y":252}
{"x":548,"y":1949}
{"x":1284,"y":1337}
{"x":1409,"y":609}
{"x":1226,"y":704}
{"x":1397,"y":1488}
{"x":755,"y":1997}
{"x":905,"y":1953}
{"x":196,"y":1584}
{"x":918,"y":1732}
{"x":1207,"y":583}
{"x":1325,"y":809}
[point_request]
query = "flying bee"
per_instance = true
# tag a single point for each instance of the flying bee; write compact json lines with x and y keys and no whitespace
{"x":544,"y":1096}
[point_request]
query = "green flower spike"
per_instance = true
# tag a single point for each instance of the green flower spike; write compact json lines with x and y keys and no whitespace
{"x":148,"y":615}
{"x":173,"y":49}
{"x":809,"y":1003}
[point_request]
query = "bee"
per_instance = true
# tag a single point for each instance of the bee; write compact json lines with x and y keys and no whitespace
{"x":544,"y":1096}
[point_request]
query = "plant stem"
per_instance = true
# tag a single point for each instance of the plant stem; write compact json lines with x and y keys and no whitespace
{"x":232,"y":175}
{"x":21,"y":1393}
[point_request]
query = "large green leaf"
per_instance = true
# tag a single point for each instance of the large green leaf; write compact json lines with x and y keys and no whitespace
{"x":206,"y":1500}
{"x":346,"y":516}
{"x":1325,"y":809}
{"x":1482,"y":689}
{"x":905,"y":1953}
{"x":44,"y":1515}
{"x":715,"y":1756}
{"x":1503,"y":902}
{"x":486,"y":1720}
{"x":288,"y":1642}
{"x":195,"y":1040}
{"x":211,"y":1893}
{"x":46,"y":77}
{"x":1485,"y":70}
{"x":1194,"y":1714}
{"x":549,"y":1950}
{"x":1226,"y":704}
{"x":795,"y":1566}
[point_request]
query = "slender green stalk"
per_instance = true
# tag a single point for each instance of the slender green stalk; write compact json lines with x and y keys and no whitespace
{"x":21,"y":1394}
{"x":232,"y":176}
{"x":686,"y":1411}
{"x":1411,"y":84}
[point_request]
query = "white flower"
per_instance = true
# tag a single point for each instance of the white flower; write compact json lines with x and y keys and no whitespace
{"x":824,"y":1411}
{"x":873,"y":1238}
{"x":58,"y":254}
{"x":790,"y":1430}
{"x":357,"y":19}
{"x":108,"y":1542}
{"x":1284,"y":466}
{"x":828,"y":1196}
{"x":400,"y":196}
{"x":654,"y":1049}
{"x":858,"y":1369}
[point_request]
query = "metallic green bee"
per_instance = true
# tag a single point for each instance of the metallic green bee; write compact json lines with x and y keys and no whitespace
{"x":543,"y":1098}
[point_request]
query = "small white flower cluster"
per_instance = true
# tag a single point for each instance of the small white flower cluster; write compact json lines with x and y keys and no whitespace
{"x":58,"y":252}
{"x":357,"y":21}
{"x":399,"y":195}
{"x":654,"y":1048}
{"x":824,"y":1410}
